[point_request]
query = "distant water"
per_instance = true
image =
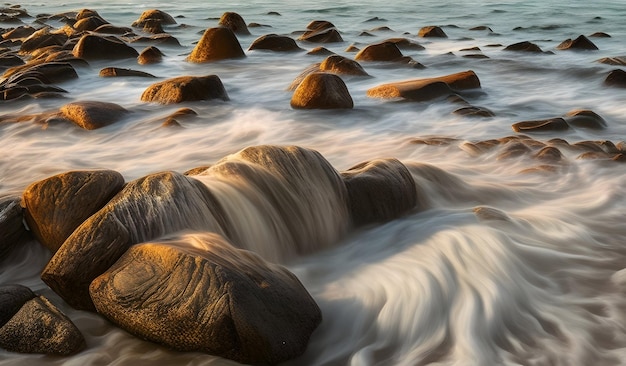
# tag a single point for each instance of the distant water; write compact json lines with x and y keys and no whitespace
{"x":502,"y":264}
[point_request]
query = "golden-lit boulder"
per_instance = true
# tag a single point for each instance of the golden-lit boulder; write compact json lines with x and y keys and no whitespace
{"x":234,"y":22}
{"x":216,"y":44}
{"x":185,"y":89}
{"x":322,"y":91}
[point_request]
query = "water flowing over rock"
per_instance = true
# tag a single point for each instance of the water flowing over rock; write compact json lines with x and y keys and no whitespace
{"x":199,"y":293}
{"x":92,"y":115}
{"x":427,"y":89}
{"x":185,"y":89}
{"x":42,"y":38}
{"x":322,"y":91}
{"x":584,"y":118}
{"x":119,"y":72}
{"x":216,"y":44}
{"x":57,"y":205}
{"x":551,"y":124}
{"x":379,"y":191}
{"x":234,"y":22}
{"x":40,"y":327}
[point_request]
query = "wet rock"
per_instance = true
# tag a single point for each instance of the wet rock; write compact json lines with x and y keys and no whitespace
{"x":46,"y":72}
{"x":95,"y":47}
{"x":352,"y":48}
{"x":432,"y":31}
{"x":162,"y":38}
{"x":580,"y":43}
{"x":12,"y":231}
{"x":405,"y":43}
{"x":39,"y":327}
{"x":153,"y":26}
{"x":618,"y":61}
{"x":620,"y":158}
{"x":10,"y":60}
{"x":600,"y":35}
{"x":379,"y":191}
{"x":616,"y":78}
{"x":552,"y":124}
{"x":385,"y":51}
{"x":474,"y":111}
{"x":524,"y":46}
{"x":234,"y":22}
{"x":274,"y":42}
{"x":321,"y":31}
{"x":42,"y":38}
{"x":584,"y":118}
{"x":151,"y":15}
{"x":12,"y":298}
{"x":56,"y":206}
{"x":322,"y":91}
{"x":337,"y":64}
{"x":513,"y":150}
{"x":89,"y":24}
{"x":549,"y":154}
{"x":185,"y":89}
{"x":261,"y":311}
{"x":481,"y":28}
{"x":118,"y":72}
{"x":23,"y":31}
{"x":308,"y":71}
{"x":91,"y":115}
{"x":111,"y":29}
{"x":320,"y":51}
{"x":427,"y":89}
{"x":150,"y":55}
{"x":486,"y":213}
{"x":216,"y":44}
{"x":86,"y":13}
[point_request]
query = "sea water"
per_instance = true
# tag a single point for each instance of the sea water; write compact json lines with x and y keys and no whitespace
{"x":502,"y":263}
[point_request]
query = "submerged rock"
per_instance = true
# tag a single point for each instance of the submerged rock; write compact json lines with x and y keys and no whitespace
{"x":233,"y":304}
{"x":274,"y":42}
{"x":524,"y":46}
{"x":616,"y":78}
{"x":585,"y":118}
{"x":551,"y":124}
{"x":216,"y":44}
{"x":118,"y":72}
{"x":185,"y":89}
{"x":234,"y":22}
{"x":321,"y":31}
{"x":322,"y":91}
{"x":427,"y":89}
{"x":92,"y":115}
{"x":384,"y":51}
{"x":56,"y":206}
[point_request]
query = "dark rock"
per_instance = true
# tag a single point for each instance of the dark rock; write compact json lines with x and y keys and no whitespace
{"x":10,"y":60}
{"x":91,"y":115}
{"x":151,"y":15}
{"x":584,"y":118}
{"x":12,"y":298}
{"x":427,"y":89}
{"x":616,"y":78}
{"x":86,"y":13}
{"x":150,"y":55}
{"x":481,"y":28}
{"x":216,"y":44}
{"x":162,"y":38}
{"x":23,"y":31}
{"x":175,"y":203}
{"x":405,"y":43}
{"x":111,"y":29}
{"x":39,"y":327}
{"x":320,"y":51}
{"x":341,"y":65}
{"x":184,"y":89}
{"x":42,"y":38}
{"x":385,"y":51}
{"x":118,"y":72}
{"x":474,"y":111}
{"x":352,"y":48}
{"x":552,"y":124}
{"x":322,"y":91}
{"x":524,"y":46}
{"x":600,"y":35}
{"x":618,"y":61}
{"x":381,"y":29}
{"x":580,"y":43}
{"x":12,"y":231}
{"x":46,"y":72}
{"x":95,"y":47}
{"x":432,"y":31}
{"x":153,"y":26}
{"x":234,"y":22}
{"x":56,"y":206}
{"x":379,"y":191}
{"x":274,"y":42}
{"x":325,"y":35}
{"x":261,"y":312}
{"x":89,"y":24}
{"x":513,"y":150}
{"x":549,"y":154}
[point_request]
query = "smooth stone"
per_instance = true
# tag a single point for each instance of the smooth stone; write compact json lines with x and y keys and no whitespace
{"x":427,"y":89}
{"x":432,"y":31}
{"x":585,"y":118}
{"x":153,"y":14}
{"x":216,"y":44}
{"x":330,"y":35}
{"x":119,"y":72}
{"x":274,"y":42}
{"x":91,"y":115}
{"x":342,"y":65}
{"x":12,"y":231}
{"x":90,"y":23}
{"x":474,"y":111}
{"x":552,"y":124}
{"x":150,"y":55}
{"x":524,"y":46}
{"x":549,"y":154}
{"x":384,"y":51}
{"x":405,"y":43}
{"x":322,"y":91}
{"x":616,"y":78}
{"x":185,"y":89}
{"x":95,"y":47}
{"x":42,"y":38}
{"x":320,"y":51}
{"x":580,"y":43}
{"x":234,"y":22}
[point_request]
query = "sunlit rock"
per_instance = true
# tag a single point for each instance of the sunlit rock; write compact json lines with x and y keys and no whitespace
{"x":524,"y":46}
{"x":427,"y":89}
{"x":56,"y":206}
{"x":199,"y":293}
{"x":580,"y":43}
{"x":321,"y":31}
{"x":119,"y":72}
{"x":92,"y":115}
{"x":322,"y":91}
{"x":432,"y":31}
{"x":337,"y":64}
{"x":274,"y":42}
{"x":216,"y":44}
{"x":234,"y":22}
{"x":150,"y":55}
{"x":42,"y":38}
{"x":89,"y":24}
{"x":185,"y":89}
{"x":96,"y":47}
{"x":385,"y":51}
{"x":551,"y":124}
{"x":584,"y":118}
{"x":151,"y":15}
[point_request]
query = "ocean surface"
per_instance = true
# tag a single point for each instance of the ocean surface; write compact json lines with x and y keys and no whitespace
{"x":507,"y":260}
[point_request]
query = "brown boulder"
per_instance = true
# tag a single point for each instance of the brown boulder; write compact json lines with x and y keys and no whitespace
{"x":150,"y":55}
{"x":321,"y":91}
{"x":92,"y":115}
{"x":117,"y":72}
{"x":12,"y":298}
{"x":86,"y":13}
{"x":524,"y":46}
{"x":111,"y":29}
{"x":44,"y":72}
{"x":95,"y":47}
{"x":12,"y":231}
{"x":432,"y":31}
{"x":56,"y":206}
{"x":23,"y":31}
{"x":234,"y":22}
{"x":89,"y":24}
{"x":385,"y":51}
{"x":151,"y":15}
{"x":40,"y":327}
{"x":258,"y":313}
{"x":585,"y":118}
{"x":617,"y":61}
{"x":427,"y":89}
{"x":321,"y":31}
{"x":552,"y":124}
{"x":216,"y":44}
{"x":320,"y":51}
{"x":580,"y":43}
{"x":616,"y":78}
{"x":42,"y":38}
{"x":379,"y":191}
{"x":404,"y":43}
{"x":337,"y":64}
{"x":184,"y":89}
{"x":274,"y":42}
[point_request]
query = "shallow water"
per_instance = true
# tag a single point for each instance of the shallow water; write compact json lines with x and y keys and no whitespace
{"x":499,"y":265}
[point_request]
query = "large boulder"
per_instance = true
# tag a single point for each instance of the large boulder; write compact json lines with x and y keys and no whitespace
{"x":90,"y":23}
{"x":524,"y":46}
{"x":337,"y":64}
{"x":56,"y":206}
{"x":12,"y":298}
{"x":150,"y":55}
{"x":551,"y":124}
{"x":153,"y":15}
{"x":274,"y":42}
{"x":216,"y":44}
{"x":432,"y":31}
{"x":12,"y":231}
{"x":384,"y":51}
{"x":42,"y":38}
{"x":321,"y":31}
{"x":585,"y":118}
{"x":427,"y":89}
{"x":185,"y":88}
{"x":40,"y":327}
{"x":379,"y":191}
{"x":234,"y":22}
{"x":322,"y":91}
{"x":95,"y":47}
{"x":199,"y":293}
{"x":91,"y":115}
{"x":44,"y":72}
{"x":173,"y":201}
